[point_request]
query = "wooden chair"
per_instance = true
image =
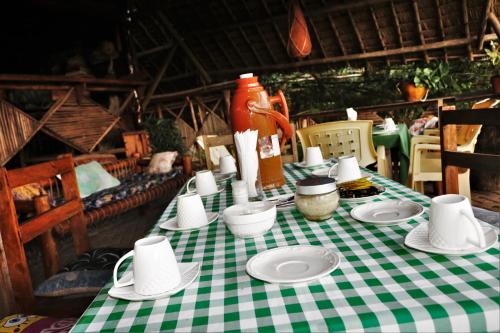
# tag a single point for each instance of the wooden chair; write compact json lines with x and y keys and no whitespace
{"x":15,"y":235}
{"x":341,"y":138}
{"x":452,"y":158}
{"x":289,"y":154}
{"x":137,"y":144}
{"x":215,"y":141}
{"x":425,"y":153}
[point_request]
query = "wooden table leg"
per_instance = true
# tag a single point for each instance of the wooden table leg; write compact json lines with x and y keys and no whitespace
{"x":384,"y":161}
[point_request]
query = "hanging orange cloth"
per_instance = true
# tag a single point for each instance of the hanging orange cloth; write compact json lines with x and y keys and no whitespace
{"x":299,"y":41}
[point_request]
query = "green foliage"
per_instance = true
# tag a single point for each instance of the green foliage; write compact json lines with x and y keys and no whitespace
{"x":437,"y":78}
{"x":493,"y":54}
{"x":334,"y":88}
{"x":406,"y":115}
{"x":164,"y":135}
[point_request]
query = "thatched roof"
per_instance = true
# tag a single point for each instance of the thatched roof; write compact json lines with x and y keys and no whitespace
{"x":219,"y":39}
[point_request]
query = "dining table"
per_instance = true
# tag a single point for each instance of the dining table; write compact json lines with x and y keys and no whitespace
{"x":380,"y":284}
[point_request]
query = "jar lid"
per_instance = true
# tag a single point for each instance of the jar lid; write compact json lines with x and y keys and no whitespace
{"x":316,"y":185}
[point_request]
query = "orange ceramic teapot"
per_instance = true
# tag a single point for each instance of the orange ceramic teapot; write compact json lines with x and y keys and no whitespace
{"x":252,"y":108}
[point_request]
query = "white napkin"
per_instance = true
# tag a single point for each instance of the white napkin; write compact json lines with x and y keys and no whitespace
{"x":246,"y":146}
{"x":389,"y":124}
{"x":351,"y":114}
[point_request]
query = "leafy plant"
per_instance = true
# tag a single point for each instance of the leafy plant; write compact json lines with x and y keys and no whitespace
{"x":164,"y":135}
{"x":433,"y":78}
{"x":406,"y":115}
{"x":493,"y":54}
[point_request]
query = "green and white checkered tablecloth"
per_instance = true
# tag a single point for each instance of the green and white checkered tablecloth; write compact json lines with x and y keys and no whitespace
{"x":379,"y":285}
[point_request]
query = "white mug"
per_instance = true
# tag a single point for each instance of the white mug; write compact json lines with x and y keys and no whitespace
{"x":240,"y":191}
{"x":190,"y":211}
{"x":155,"y":267}
{"x":227,"y":164}
{"x":313,"y":156}
{"x":346,"y":169}
{"x":205,"y":183}
{"x":452,"y":224}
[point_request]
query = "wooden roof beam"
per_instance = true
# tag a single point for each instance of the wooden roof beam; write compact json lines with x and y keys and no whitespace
{"x":356,"y":31}
{"x":397,"y":27}
{"x":154,"y":50}
{"x":236,"y":49}
{"x":161,"y":72}
{"x":184,"y":47}
{"x":210,"y":56}
{"x":316,"y":35}
{"x":147,"y":33}
{"x":484,"y":23}
{"x":441,"y":27}
{"x":465,"y":16}
{"x":250,"y":45}
{"x":223,"y":51}
{"x":275,"y":26}
{"x":494,"y":23}
{"x":368,"y":55}
{"x":337,"y":35}
{"x":321,"y":10}
{"x":379,"y":33}
{"x":419,"y":28}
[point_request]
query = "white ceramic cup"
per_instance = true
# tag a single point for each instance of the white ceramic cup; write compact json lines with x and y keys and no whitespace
{"x":452,"y":225}
{"x":155,"y":267}
{"x":313,"y":156}
{"x":240,"y":191}
{"x":190,"y":211}
{"x":346,"y":169}
{"x":205,"y":183}
{"x":227,"y":164}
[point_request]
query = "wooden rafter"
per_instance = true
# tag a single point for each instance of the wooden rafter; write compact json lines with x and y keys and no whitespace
{"x":321,"y":10}
{"x":337,"y":35}
{"x":316,"y":35}
{"x":154,"y":50}
{"x":356,"y":32}
{"x":250,"y":45}
{"x":397,"y":27}
{"x":275,"y":25}
{"x":236,"y":48}
{"x":465,"y":16}
{"x":145,"y":30}
{"x":492,"y":18}
{"x":484,"y":23}
{"x":204,"y":47}
{"x":416,"y":12}
{"x":175,"y":35}
{"x":363,"y":56}
{"x":223,"y":51}
{"x":259,"y":32}
{"x":441,"y":27}
{"x":161,"y":72}
{"x":379,"y":33}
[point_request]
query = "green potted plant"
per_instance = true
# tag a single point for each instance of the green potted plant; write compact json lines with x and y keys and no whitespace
{"x":425,"y":79}
{"x":164,"y":135}
{"x":493,"y":54}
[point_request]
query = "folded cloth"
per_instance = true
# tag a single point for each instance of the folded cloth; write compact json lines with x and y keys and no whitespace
{"x":351,"y":114}
{"x":246,"y":146}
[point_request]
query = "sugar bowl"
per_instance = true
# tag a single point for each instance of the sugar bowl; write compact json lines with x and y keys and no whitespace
{"x":316,"y":198}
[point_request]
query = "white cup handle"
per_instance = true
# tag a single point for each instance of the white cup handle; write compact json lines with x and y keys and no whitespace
{"x":477,"y":228}
{"x":334,"y":169}
{"x":188,"y":190}
{"x":115,"y":271}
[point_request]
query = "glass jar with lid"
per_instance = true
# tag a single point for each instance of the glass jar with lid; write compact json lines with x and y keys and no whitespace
{"x":316,"y":198}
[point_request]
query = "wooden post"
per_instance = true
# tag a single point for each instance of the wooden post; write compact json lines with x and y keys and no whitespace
{"x":227,"y":101}
{"x":448,"y":134}
{"x":49,"y":246}
{"x":14,"y":248}
{"x":494,"y":23}
{"x":6,"y":295}
{"x":78,"y":226}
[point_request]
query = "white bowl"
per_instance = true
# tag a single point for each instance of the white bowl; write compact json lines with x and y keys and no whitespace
{"x":250,"y":219}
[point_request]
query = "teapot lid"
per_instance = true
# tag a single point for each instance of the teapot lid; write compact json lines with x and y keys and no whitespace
{"x":246,"y":75}
{"x":315,"y":185}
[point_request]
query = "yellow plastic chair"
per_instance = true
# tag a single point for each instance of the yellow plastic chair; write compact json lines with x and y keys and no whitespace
{"x":341,"y":138}
{"x":425,"y":154}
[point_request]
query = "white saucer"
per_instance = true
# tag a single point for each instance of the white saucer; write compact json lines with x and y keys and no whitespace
{"x":323,"y":172}
{"x":362,"y":199}
{"x":292,"y":264}
{"x":304,"y":165}
{"x":418,"y":239}
{"x":171,"y":224}
{"x":189,"y":272}
{"x":220,"y":177}
{"x":387,"y":212}
{"x":220,"y":188}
